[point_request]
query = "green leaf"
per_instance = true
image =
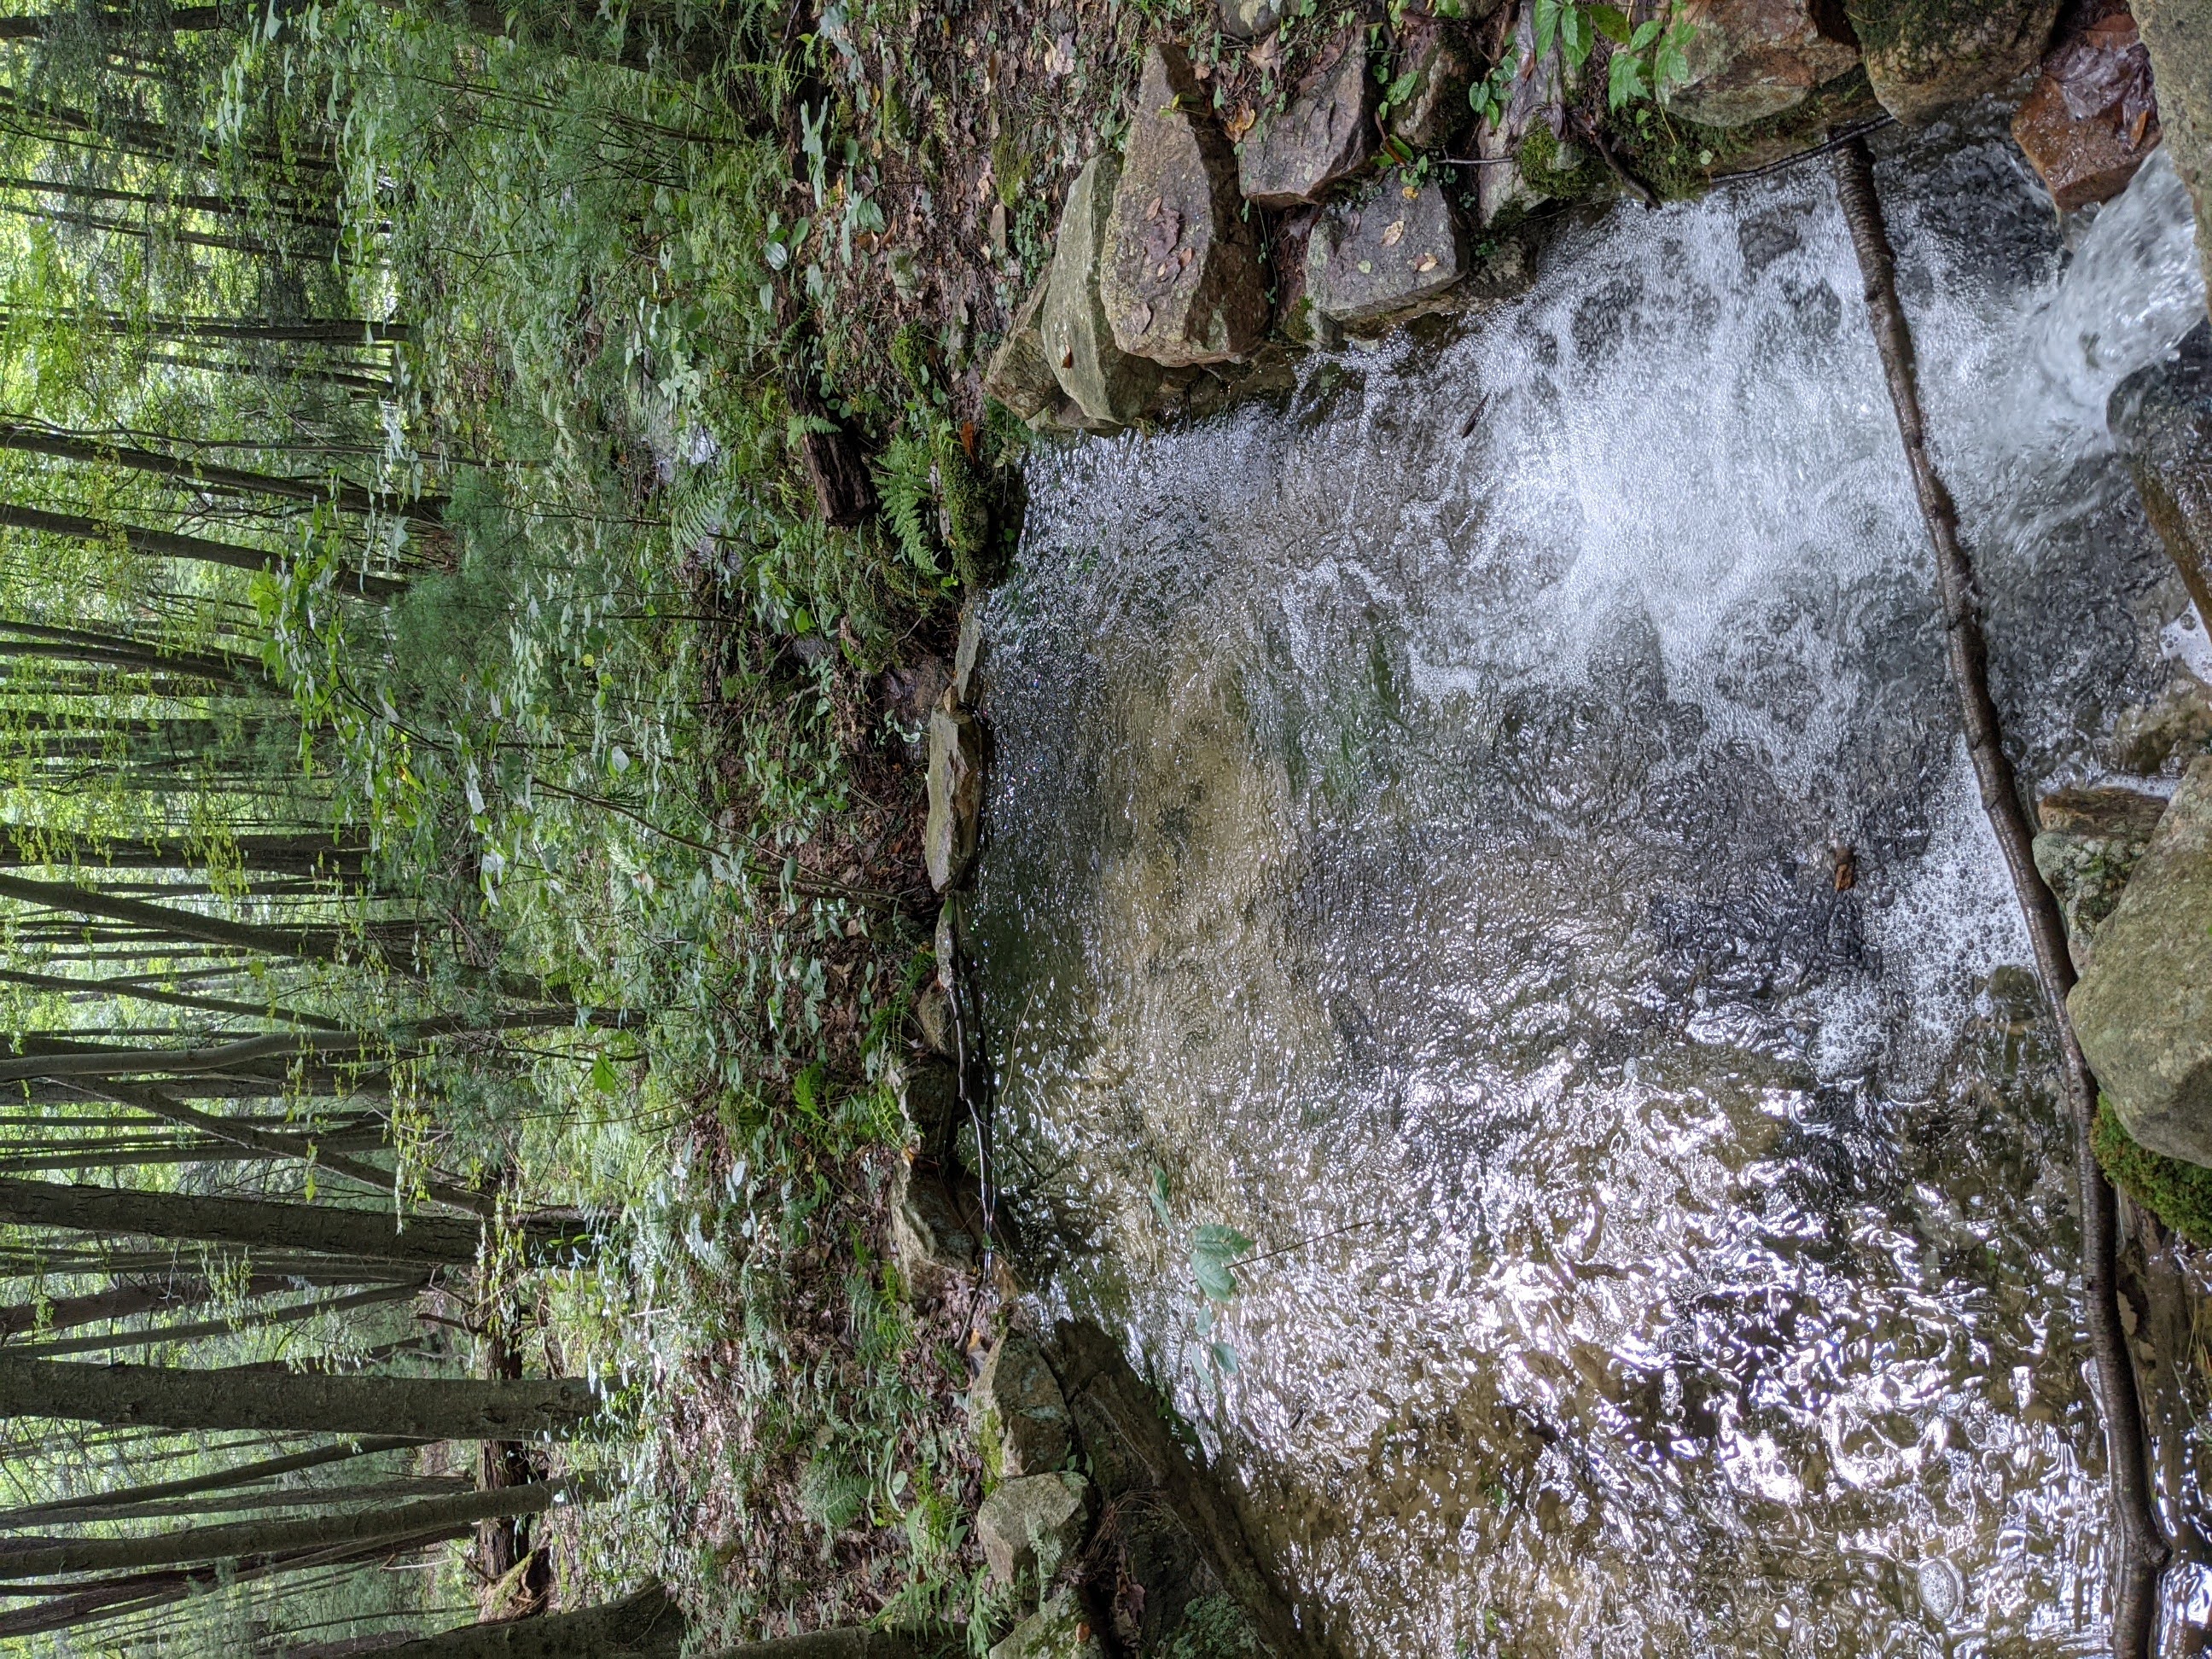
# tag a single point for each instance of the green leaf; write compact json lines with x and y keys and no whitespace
{"x":1160,"y":1194}
{"x":1547,"y":25}
{"x":1644,"y":36}
{"x":1577,"y":39}
{"x":1626,"y":83}
{"x":1225,"y":1359}
{"x":1612,"y":22}
{"x":604,"y":1077}
{"x":1214,"y":1252}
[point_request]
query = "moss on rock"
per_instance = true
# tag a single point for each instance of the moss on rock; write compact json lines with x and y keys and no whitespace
{"x":1678,"y":158}
{"x":2178,"y":1193}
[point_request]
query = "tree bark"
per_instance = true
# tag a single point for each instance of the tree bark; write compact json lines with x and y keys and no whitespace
{"x":349,"y":497}
{"x":258,"y":1540}
{"x":248,"y":1224}
{"x":194,"y":1330}
{"x":2140,"y":1548}
{"x":425,"y":1408}
{"x":165,"y":545}
{"x":95,"y":1507}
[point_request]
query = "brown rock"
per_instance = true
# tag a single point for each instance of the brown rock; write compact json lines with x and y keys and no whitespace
{"x":1108,"y":387}
{"x":1181,"y":282}
{"x":1326,"y":133}
{"x":1749,"y":59}
{"x":1924,"y":56}
{"x":2093,"y":118}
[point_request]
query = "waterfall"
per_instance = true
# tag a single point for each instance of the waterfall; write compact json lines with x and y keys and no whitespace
{"x":1493,"y":830}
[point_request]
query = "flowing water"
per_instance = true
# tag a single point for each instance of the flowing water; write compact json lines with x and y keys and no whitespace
{"x":1414,"y":834}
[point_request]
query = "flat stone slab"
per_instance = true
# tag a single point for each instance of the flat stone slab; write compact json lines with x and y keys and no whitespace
{"x":1105,"y":383}
{"x":934,"y":1246}
{"x":1389,"y":256}
{"x":2143,"y":1008}
{"x":956,"y":796}
{"x":1029,"y":1527}
{"x":1183,"y":282}
{"x":1326,"y":132}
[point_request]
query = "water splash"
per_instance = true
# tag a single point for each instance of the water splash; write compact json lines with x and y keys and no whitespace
{"x":1415,"y":830}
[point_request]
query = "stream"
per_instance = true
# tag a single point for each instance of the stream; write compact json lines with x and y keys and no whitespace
{"x":1491,"y":827}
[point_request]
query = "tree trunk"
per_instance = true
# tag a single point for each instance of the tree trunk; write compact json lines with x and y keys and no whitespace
{"x":249,"y":1223}
{"x":349,"y":497}
{"x":95,"y":1507}
{"x":2139,"y":1546}
{"x":425,"y":1408}
{"x":162,"y":543}
{"x":258,"y":1540}
{"x":259,"y":1319}
{"x":646,"y":1625}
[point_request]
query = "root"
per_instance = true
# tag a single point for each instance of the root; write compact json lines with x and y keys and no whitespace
{"x":2140,"y":1548}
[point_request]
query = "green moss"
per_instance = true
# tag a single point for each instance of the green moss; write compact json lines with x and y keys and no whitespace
{"x":910,"y":354}
{"x":1539,"y":157}
{"x":1678,"y":158}
{"x":991,"y":1447}
{"x":2178,"y":1193}
{"x":966,"y":495}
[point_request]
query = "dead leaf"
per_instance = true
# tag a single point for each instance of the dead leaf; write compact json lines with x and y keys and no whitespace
{"x":1067,"y":358}
{"x":1426,"y":262}
{"x":1411,"y":191}
{"x":1153,"y":211}
{"x":1060,"y":56}
{"x":1267,"y":56}
{"x":967,"y":438}
{"x":1241,"y":123}
{"x":1183,"y":258}
{"x":1392,"y":233}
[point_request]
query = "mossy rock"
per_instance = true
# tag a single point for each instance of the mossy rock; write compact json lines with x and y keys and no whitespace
{"x":1926,"y":56}
{"x":1680,"y":159}
{"x":2178,"y":1193}
{"x":1540,"y":156}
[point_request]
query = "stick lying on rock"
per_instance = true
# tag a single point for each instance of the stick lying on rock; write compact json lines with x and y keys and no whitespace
{"x":2139,"y":1545}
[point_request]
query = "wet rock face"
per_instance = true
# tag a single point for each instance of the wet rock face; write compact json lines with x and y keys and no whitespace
{"x":2143,"y":1009}
{"x":1029,"y":1527}
{"x":1017,"y":1394}
{"x":2161,"y":419}
{"x":1100,"y":380}
{"x":1325,"y":134}
{"x":1434,"y":69}
{"x":1182,"y":283}
{"x":1020,"y":375}
{"x":956,"y":796}
{"x":1923,"y":57}
{"x":2179,"y":36}
{"x":1749,"y":59}
{"x":1390,"y":255}
{"x":2093,"y":118}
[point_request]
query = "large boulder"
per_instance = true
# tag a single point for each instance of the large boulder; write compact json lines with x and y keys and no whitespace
{"x":1017,"y":1397}
{"x":1029,"y":1527}
{"x":2093,"y":118}
{"x":2091,"y":841}
{"x":1183,"y":282}
{"x":1749,"y":59}
{"x":2161,"y":418}
{"x":1104,"y":382}
{"x":1390,"y":254}
{"x":2179,"y":34}
{"x":935,"y":1245}
{"x":956,"y":795}
{"x":1058,"y":1629}
{"x":1020,"y":374}
{"x":1924,"y":56}
{"x":1324,"y":133}
{"x":2143,"y":1009}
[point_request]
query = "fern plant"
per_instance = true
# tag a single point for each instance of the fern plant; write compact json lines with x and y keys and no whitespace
{"x":906,"y":482}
